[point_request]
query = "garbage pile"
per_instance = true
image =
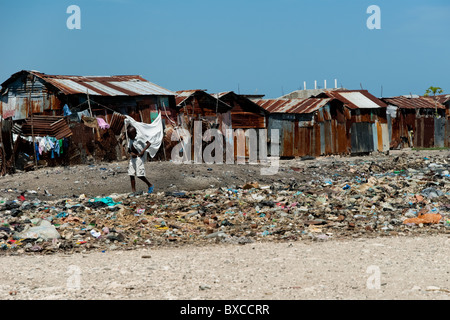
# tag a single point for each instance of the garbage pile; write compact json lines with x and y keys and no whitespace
{"x":398,"y":197}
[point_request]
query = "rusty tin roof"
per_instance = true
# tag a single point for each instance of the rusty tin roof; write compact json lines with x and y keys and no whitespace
{"x":121,"y":85}
{"x":292,"y":105}
{"x":355,"y":99}
{"x":405,"y":102}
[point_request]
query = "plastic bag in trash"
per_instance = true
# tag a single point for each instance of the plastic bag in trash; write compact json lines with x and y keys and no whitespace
{"x":432,"y":193}
{"x":45,"y":231}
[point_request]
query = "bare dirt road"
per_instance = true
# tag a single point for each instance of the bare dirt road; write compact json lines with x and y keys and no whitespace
{"x":385,"y":268}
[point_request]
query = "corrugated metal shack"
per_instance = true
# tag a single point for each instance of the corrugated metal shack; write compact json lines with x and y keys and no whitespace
{"x":247,"y":118}
{"x":365,"y":117}
{"x":194,"y":105}
{"x":197,"y":107}
{"x":31,"y":93}
{"x":334,"y":122}
{"x":445,"y":100}
{"x":300,"y":123}
{"x":416,"y":121}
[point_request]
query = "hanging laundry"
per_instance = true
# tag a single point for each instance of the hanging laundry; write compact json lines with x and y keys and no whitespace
{"x":45,"y":145}
{"x":83,"y":113}
{"x":66,"y":110}
{"x":36,"y":145}
{"x":61,"y":148}
{"x":39,"y":147}
{"x":152,"y":132}
{"x":56,"y":147}
{"x":90,"y":122}
{"x":102,"y":124}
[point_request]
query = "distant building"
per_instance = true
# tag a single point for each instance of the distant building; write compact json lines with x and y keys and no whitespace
{"x":416,"y":121}
{"x":333,"y":122}
{"x":366,"y":122}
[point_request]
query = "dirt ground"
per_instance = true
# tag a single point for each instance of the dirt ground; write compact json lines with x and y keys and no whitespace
{"x":102,"y":179}
{"x":383,"y":269}
{"x":386,"y":268}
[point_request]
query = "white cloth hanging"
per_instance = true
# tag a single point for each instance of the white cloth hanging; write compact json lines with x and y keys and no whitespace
{"x":152,"y":132}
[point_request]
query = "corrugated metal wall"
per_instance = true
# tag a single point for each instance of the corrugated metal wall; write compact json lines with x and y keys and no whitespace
{"x":25,"y":95}
{"x":362,"y":137}
{"x":439,"y":132}
{"x":424,"y":133}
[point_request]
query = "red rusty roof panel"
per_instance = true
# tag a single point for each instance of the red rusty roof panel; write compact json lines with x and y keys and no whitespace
{"x":183,"y":95}
{"x":443,"y":98}
{"x":121,"y":85}
{"x":292,"y":105}
{"x":416,"y":102}
{"x":355,"y":99}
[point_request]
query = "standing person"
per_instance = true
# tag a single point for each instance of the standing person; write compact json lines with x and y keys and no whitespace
{"x":137,"y":149}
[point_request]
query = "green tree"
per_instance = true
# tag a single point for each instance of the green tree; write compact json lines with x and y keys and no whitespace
{"x":434,"y":90}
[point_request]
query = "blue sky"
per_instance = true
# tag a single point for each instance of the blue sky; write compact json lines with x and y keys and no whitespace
{"x":260,"y":46}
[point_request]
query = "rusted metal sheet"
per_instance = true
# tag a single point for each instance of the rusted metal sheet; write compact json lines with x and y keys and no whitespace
{"x":46,"y":126}
{"x":380,"y":136}
{"x":338,"y":114}
{"x":355,"y":99}
{"x":303,"y":140}
{"x":415,"y":102}
{"x":347,"y":113}
{"x":317,"y":146}
{"x":240,"y":149}
{"x":442,"y":98}
{"x":285,"y":123}
{"x":25,"y":95}
{"x":439,"y":132}
{"x":199,"y":102}
{"x":327,"y":140}
{"x":27,"y":92}
{"x":362,"y":137}
{"x":199,"y":105}
{"x":341,"y":139}
{"x":292,"y":105}
{"x":383,"y":136}
{"x":326,"y":113}
{"x":418,"y":124}
{"x":117,"y":122}
{"x":424,"y":134}
{"x":394,"y":133}
{"x":363,"y":115}
{"x":447,"y":134}
{"x":245,"y":113}
{"x":243,"y":120}
{"x":330,"y":129}
{"x":132,"y":85}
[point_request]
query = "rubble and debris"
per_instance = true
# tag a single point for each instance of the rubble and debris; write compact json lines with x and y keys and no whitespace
{"x":324,"y":201}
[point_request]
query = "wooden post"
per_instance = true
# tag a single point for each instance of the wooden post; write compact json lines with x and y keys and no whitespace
{"x":164,"y":135}
{"x":90,"y":112}
{"x":32,"y":124}
{"x":3,"y":153}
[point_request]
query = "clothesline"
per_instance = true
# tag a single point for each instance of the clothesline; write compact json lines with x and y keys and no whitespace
{"x":99,"y":104}
{"x":95,"y":103}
